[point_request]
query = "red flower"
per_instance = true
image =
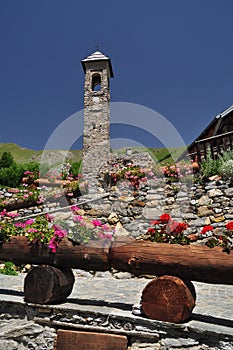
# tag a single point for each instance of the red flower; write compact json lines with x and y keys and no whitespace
{"x":229,"y":226}
{"x":172,"y":224}
{"x":165,"y":218}
{"x":179,"y":227}
{"x":155,"y":222}
{"x":206,"y":229}
{"x":151,"y":231}
{"x":183,"y":226}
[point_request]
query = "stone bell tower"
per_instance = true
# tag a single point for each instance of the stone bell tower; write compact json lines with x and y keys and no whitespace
{"x":96,"y":134}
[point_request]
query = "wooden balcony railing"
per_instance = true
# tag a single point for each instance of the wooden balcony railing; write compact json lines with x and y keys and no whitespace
{"x":216,"y":144}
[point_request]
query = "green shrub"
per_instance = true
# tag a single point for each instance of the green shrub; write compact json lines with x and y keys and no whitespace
{"x":8,"y":269}
{"x":226,"y":169}
{"x":6,"y":160}
{"x":76,"y":168}
{"x":227,"y":155}
{"x":209,"y":166}
{"x":11,"y":176}
{"x":32,"y":166}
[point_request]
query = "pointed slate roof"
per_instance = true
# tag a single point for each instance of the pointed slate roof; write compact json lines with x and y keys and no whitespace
{"x":97,"y":56}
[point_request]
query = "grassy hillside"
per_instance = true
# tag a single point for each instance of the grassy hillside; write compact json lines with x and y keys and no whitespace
{"x":161,"y":155}
{"x":25,"y":155}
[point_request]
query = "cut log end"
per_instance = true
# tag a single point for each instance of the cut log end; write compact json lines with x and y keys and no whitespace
{"x":168,"y":299}
{"x":47,"y":285}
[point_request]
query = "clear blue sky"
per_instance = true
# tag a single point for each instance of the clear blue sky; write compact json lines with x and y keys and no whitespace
{"x":174,"y":56}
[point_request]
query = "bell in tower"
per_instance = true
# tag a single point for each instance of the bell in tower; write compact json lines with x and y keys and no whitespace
{"x":96,"y":133}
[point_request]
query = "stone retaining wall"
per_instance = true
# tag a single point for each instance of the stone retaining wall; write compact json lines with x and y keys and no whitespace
{"x":197,"y":204}
{"x":34,"y":327}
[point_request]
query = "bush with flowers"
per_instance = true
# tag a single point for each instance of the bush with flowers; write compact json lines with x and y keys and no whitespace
{"x":46,"y":230}
{"x":31,"y":196}
{"x":135,"y":175}
{"x":223,"y":239}
{"x":83,"y":229}
{"x":41,"y":229}
{"x":178,"y":172}
{"x":167,"y":230}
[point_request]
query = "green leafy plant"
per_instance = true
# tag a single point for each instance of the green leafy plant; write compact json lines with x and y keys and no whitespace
{"x":45,"y":230}
{"x":8,"y":268}
{"x":42,"y":229}
{"x":134,"y":174}
{"x":220,"y":241}
{"x":223,"y":240}
{"x":209,"y":166}
{"x":227,"y":155}
{"x":85,"y":229}
{"x":226,"y":169}
{"x":6,"y":160}
{"x":76,"y":168}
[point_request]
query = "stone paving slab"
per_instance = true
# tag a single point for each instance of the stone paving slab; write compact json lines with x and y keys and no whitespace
{"x":109,"y":295}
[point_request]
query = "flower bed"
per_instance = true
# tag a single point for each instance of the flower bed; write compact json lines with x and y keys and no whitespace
{"x":45,"y":230}
{"x":167,"y":230}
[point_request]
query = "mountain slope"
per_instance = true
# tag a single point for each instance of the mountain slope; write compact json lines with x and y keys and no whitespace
{"x":25,"y":155}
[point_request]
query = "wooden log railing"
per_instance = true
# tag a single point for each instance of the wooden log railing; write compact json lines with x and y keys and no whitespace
{"x":180,"y":264}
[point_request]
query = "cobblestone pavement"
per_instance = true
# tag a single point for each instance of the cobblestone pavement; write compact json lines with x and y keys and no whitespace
{"x":105,"y":293}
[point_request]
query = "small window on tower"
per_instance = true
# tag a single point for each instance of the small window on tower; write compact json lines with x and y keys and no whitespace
{"x":96,"y":82}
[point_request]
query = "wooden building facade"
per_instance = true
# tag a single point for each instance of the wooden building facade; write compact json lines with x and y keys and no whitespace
{"x":216,"y":137}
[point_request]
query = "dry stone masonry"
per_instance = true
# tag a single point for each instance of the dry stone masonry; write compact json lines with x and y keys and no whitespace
{"x":27,"y":326}
{"x":132,"y":210}
{"x":96,"y":134}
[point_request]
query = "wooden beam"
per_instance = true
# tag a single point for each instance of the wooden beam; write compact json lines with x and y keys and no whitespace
{"x":77,"y":340}
{"x":192,"y":262}
{"x":168,"y":299}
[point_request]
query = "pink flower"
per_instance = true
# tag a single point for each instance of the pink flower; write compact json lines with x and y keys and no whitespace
{"x":77,"y":218}
{"x":53,"y":245}
{"x":49,"y":217}
{"x":20,"y":224}
{"x":75,"y":208}
{"x":25,"y":196}
{"x":13,"y":215}
{"x":96,"y":223}
{"x":32,"y":230}
{"x":105,"y":236}
{"x":3,"y":213}
{"x":105,"y":227}
{"x":59,"y":232}
{"x":29,"y":221}
{"x":150,"y":173}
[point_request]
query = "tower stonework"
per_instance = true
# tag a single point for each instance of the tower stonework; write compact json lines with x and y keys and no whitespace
{"x":96,"y":133}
